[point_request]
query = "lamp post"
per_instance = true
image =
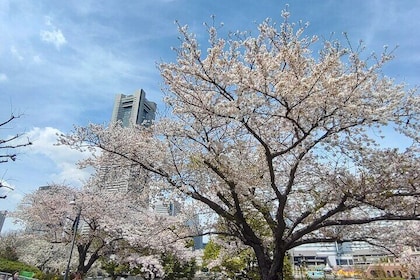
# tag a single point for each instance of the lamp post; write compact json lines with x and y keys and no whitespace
{"x":74,"y":230}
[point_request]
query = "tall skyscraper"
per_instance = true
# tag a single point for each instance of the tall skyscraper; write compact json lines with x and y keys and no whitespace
{"x":2,"y":218}
{"x":133,"y":109}
{"x":129,"y":110}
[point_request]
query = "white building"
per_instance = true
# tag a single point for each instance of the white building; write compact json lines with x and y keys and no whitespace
{"x":349,"y":256}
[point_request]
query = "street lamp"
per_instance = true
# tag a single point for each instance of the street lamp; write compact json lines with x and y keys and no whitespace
{"x":74,"y":230}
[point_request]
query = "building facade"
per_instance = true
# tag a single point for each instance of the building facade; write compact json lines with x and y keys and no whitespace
{"x":133,"y":109}
{"x":344,"y":260}
{"x":2,"y":218}
{"x":129,"y":110}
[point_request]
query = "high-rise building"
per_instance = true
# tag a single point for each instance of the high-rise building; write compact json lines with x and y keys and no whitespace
{"x":133,"y":109}
{"x":173,"y":208}
{"x":163,"y":208}
{"x":128,"y":110}
{"x":2,"y":218}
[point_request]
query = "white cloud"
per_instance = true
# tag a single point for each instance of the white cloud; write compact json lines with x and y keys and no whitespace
{"x":36,"y":59}
{"x":3,"y":78}
{"x":40,"y":164}
{"x":48,"y":21}
{"x":16,"y":54}
{"x":63,"y":158}
{"x":54,"y":37}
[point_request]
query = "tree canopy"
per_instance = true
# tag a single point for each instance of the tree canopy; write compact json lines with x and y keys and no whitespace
{"x":112,"y":225}
{"x":283,"y":129}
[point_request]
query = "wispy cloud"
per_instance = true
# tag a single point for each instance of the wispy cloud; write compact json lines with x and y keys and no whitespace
{"x":62,"y":157}
{"x":16,"y":53}
{"x":3,"y":78}
{"x":56,"y":164}
{"x":53,"y":35}
{"x":36,"y":59}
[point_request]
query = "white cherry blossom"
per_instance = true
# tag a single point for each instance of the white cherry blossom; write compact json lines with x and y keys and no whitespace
{"x":279,"y":128}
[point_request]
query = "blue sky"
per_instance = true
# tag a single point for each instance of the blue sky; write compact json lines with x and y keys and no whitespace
{"x":62,"y":62}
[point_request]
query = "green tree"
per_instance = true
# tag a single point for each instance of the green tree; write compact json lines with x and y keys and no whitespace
{"x":238,"y":265}
{"x":114,"y":269}
{"x":211,"y":252}
{"x":288,"y":268}
{"x":176,"y":269}
{"x":11,"y":266}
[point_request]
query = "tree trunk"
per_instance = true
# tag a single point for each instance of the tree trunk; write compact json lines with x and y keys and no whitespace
{"x":78,"y":275}
{"x":270,"y":269}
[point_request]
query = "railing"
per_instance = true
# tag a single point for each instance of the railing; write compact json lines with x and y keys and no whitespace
{"x":9,"y":276}
{"x":5,"y":276}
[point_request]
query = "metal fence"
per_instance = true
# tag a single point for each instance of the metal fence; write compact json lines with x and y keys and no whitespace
{"x":5,"y":276}
{"x":9,"y":276}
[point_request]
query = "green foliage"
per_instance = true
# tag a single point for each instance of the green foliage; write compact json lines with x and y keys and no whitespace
{"x":287,"y":268}
{"x":238,"y":266}
{"x":189,"y":243}
{"x":175,"y":269}
{"x":242,"y":265}
{"x":114,"y":269}
{"x":10,"y":266}
{"x":211,"y":252}
{"x":47,"y":276}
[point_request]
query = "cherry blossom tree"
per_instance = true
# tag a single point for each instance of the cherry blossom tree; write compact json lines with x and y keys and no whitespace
{"x":409,"y":249}
{"x":9,"y":243}
{"x":49,"y":257}
{"x":265,"y":129}
{"x":411,"y":262}
{"x":9,"y":145}
{"x":110,"y":223}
